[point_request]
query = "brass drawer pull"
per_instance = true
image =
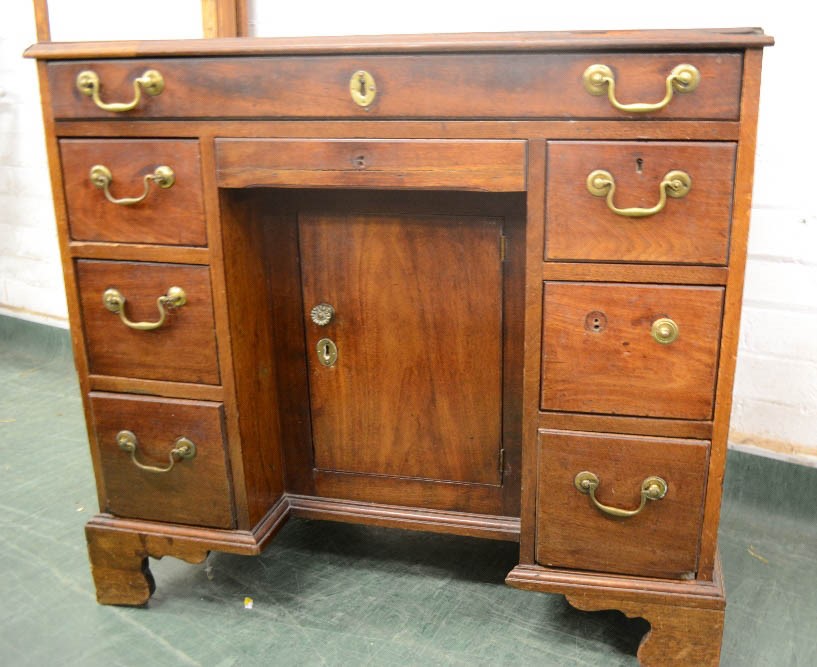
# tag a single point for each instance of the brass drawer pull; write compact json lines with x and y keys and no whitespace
{"x":102,"y":178}
{"x":683,"y":79}
{"x":182,"y":449}
{"x":114,"y":301}
{"x":664,"y":330}
{"x":676,"y":184}
{"x":652,"y":488}
{"x":322,"y":314}
{"x":151,"y":82}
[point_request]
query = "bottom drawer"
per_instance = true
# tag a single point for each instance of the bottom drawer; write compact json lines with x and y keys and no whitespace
{"x":578,"y":529}
{"x":136,"y":436}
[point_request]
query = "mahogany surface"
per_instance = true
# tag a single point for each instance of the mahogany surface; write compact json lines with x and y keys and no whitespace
{"x":167,"y":216}
{"x":183,"y":349}
{"x":398,"y":403}
{"x":508,"y":85}
{"x":449,"y":224}
{"x":690,"y":230}
{"x":491,"y":166}
{"x":598,"y":354}
{"x":197,"y":491}
{"x":661,"y":541}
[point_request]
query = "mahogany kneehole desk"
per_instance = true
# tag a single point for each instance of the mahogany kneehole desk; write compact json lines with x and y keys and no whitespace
{"x":477,"y":284}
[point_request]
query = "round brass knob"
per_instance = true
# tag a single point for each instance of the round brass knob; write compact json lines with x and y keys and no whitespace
{"x":322,"y":314}
{"x":664,"y":330}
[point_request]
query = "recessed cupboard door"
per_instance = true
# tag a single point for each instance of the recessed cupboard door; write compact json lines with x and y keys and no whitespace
{"x":403,"y":321}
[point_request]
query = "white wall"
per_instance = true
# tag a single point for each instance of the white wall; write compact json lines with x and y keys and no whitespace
{"x":775,"y":409}
{"x":31,"y":285}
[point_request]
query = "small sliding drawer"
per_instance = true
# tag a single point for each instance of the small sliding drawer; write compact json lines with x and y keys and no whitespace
{"x":622,"y":504}
{"x":151,"y":321}
{"x":163,"y":459}
{"x":614,"y":85}
{"x":134,"y":191}
{"x":489,"y":166}
{"x":639,"y":201}
{"x":639,"y":350}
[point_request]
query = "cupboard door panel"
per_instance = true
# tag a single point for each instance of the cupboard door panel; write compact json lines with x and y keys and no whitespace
{"x":416,"y":389}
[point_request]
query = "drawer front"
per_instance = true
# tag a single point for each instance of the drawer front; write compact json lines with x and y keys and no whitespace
{"x":195,"y":490}
{"x":599,"y":354}
{"x":488,"y":166}
{"x":182,"y":349}
{"x":592,"y":226}
{"x":167,"y":216}
{"x":518,"y":85}
{"x":661,"y":540}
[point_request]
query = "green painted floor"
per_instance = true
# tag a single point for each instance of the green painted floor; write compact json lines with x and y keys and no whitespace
{"x":335,"y":594}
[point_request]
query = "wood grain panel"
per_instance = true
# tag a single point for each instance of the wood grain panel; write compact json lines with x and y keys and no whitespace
{"x":494,"y":42}
{"x":661,"y":541}
{"x":417,"y":387}
{"x":492,"y":166}
{"x":685,"y":617}
{"x":407,"y":518}
{"x":119,"y":550}
{"x":532,"y":350}
{"x":618,"y":368}
{"x":196,"y":491}
{"x":474,"y":85}
{"x":277,"y":212}
{"x":140,"y":252}
{"x":406,"y":492}
{"x":167,"y":216}
{"x":254,"y":355}
{"x":203,"y":392}
{"x":681,"y":130}
{"x":671,"y":428}
{"x":183,"y":349}
{"x":635,"y":273}
{"x":690,"y":230}
{"x":732,"y":309}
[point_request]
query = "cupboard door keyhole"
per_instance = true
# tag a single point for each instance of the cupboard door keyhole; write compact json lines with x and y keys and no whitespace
{"x":327,"y":352}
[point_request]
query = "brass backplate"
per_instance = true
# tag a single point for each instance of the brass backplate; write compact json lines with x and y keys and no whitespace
{"x":362,"y":88}
{"x":327,"y":352}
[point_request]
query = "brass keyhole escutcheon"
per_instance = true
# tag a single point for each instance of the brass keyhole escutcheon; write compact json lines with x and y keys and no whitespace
{"x":362,"y":88}
{"x":327,"y":352}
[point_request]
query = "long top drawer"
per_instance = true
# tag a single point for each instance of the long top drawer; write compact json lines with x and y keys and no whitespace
{"x":483,"y":85}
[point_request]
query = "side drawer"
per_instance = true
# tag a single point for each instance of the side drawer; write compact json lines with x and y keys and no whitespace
{"x":195,"y":490}
{"x":661,"y":540}
{"x":483,"y":85}
{"x":601,"y":351}
{"x":604,"y":225}
{"x":182,"y":349}
{"x":171,"y":215}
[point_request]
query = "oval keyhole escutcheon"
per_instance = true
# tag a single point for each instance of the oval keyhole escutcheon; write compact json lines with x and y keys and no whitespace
{"x":362,"y":88}
{"x":327,"y":352}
